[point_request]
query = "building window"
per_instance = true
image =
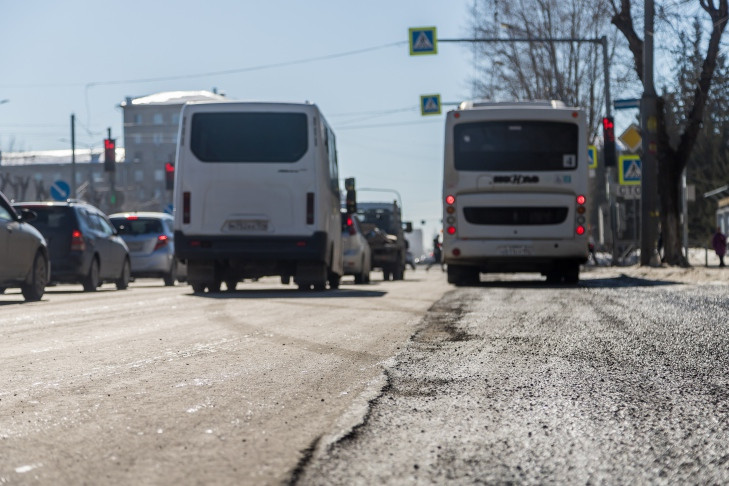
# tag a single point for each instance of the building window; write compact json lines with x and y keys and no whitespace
{"x":137,"y":119}
{"x":138,"y":176}
{"x":137,"y":138}
{"x":157,"y":138}
{"x":158,"y":119}
{"x":175,"y":118}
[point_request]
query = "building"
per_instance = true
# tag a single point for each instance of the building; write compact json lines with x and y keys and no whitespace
{"x":151,"y":125}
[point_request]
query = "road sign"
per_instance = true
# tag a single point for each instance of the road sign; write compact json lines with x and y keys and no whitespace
{"x":60,"y":190}
{"x":169,"y":209}
{"x":625,"y":104}
{"x":629,"y":192}
{"x":631,"y":137}
{"x":629,"y":170}
{"x":430,"y":104}
{"x":592,"y":156}
{"x":423,"y":40}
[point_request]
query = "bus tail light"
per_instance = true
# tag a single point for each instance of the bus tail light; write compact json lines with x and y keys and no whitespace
{"x":580,"y":215}
{"x":309,"y":208}
{"x":186,"y":207}
{"x":450,"y":200}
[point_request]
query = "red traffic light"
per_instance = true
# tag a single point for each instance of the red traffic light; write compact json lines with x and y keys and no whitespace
{"x":169,"y":175}
{"x":109,"y":154}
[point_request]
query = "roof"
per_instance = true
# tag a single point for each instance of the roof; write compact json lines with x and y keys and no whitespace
{"x":174,"y":98}
{"x":51,"y":157}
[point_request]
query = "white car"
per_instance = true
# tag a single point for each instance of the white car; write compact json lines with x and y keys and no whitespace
{"x":357,"y":256}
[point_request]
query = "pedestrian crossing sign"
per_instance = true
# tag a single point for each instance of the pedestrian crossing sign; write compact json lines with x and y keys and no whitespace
{"x":430,"y":104}
{"x":423,"y":40}
{"x":592,"y":157}
{"x":629,"y":170}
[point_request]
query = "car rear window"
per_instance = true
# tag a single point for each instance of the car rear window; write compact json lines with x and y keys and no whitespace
{"x":249,"y":137}
{"x":52,"y":218}
{"x":138,"y":226}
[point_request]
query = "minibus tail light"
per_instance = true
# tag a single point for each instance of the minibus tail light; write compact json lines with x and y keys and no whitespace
{"x":309,"y":208}
{"x":186,"y":207}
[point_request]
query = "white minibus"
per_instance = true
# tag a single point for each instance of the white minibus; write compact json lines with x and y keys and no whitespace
{"x":515,"y":185}
{"x":257,"y":194}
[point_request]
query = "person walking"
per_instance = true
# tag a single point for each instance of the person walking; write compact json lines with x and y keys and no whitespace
{"x":719,"y":244}
{"x":437,"y":255}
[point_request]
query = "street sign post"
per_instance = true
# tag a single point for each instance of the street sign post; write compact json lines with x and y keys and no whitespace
{"x":60,"y":190}
{"x":629,"y":170}
{"x":423,"y":40}
{"x":430,"y":104}
{"x":592,"y":156}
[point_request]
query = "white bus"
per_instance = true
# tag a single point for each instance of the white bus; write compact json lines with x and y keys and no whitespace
{"x":514,"y":190}
{"x":257,"y":194}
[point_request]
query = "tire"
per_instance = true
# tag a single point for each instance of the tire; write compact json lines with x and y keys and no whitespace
{"x":91,"y":281}
{"x":386,"y":275}
{"x":399,"y":273}
{"x":170,"y":277}
{"x":304,"y":287}
{"x":334,"y":280}
{"x":572,"y":273}
{"x":126,"y":274}
{"x":461,"y":276}
{"x":230,"y":285}
{"x":198,"y":288}
{"x":34,"y":290}
{"x":214,"y":286}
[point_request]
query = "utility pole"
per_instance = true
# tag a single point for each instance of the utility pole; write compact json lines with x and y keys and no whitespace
{"x":73,"y":156}
{"x":649,"y":216}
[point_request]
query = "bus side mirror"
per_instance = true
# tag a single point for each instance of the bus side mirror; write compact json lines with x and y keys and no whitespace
{"x":408,"y":227}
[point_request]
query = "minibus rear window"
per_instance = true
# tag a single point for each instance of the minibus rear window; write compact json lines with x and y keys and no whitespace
{"x":249,"y":137}
{"x":515,"y":146}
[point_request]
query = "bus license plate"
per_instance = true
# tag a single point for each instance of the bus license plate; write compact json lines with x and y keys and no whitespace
{"x":515,"y":250}
{"x":239,"y":225}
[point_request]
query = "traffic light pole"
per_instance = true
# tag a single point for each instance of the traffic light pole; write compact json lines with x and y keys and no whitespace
{"x":649,"y":214}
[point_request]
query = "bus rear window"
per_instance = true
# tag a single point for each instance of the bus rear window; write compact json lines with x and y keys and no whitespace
{"x":515,"y":146}
{"x":249,"y":137}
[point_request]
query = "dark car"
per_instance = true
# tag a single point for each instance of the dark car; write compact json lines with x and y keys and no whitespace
{"x":83,"y":244}
{"x":23,"y":253}
{"x":151,"y":242}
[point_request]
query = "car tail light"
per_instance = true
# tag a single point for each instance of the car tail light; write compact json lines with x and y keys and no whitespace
{"x":132,"y":218}
{"x":309,"y":208}
{"x":186,"y":207}
{"x":162,"y":241}
{"x":77,"y":241}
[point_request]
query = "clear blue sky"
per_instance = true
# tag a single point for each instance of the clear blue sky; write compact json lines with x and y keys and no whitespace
{"x":81,"y":56}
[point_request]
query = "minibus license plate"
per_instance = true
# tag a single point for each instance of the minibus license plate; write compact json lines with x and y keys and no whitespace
{"x":515,"y":250}
{"x":246,"y":225}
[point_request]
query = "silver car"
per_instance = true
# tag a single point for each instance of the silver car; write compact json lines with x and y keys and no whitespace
{"x":357,"y":255}
{"x":24,"y":260}
{"x":151,"y":241}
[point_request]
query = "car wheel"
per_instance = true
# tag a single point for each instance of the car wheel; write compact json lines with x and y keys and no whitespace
{"x":214,"y":286}
{"x":230,"y":284}
{"x":39,"y":278}
{"x":125,"y":276}
{"x":171,"y":276}
{"x":91,"y":281}
{"x":198,"y":287}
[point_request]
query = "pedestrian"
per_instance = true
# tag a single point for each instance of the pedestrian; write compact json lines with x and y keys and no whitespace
{"x":437,"y":255}
{"x":719,"y":244}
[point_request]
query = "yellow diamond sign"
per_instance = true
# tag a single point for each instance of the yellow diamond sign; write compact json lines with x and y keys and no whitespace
{"x":631,"y":138}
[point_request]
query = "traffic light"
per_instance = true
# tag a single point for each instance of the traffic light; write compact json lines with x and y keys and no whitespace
{"x":351,"y":198}
{"x":608,"y":137}
{"x":109,"y":154}
{"x":169,"y":175}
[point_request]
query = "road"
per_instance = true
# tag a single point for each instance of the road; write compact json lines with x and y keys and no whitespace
{"x":621,"y":379}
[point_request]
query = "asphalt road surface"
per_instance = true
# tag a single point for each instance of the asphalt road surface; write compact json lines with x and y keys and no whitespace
{"x":618,"y":380}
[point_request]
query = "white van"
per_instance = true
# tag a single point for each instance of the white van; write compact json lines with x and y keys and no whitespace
{"x":257,"y":194}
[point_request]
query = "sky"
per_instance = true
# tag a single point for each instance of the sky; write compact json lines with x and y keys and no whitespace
{"x":352,"y":59}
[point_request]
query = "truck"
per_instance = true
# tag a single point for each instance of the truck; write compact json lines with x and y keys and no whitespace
{"x":385,"y":231}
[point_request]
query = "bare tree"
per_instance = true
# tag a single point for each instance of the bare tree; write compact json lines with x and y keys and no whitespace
{"x":568,"y":71}
{"x":673,"y":157}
